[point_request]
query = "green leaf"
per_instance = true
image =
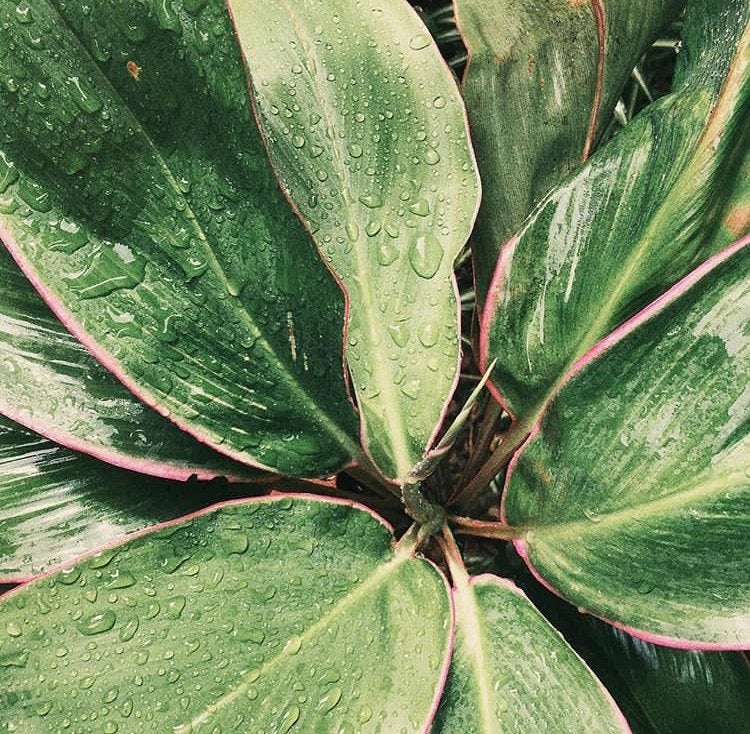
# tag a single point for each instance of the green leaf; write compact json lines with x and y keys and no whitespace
{"x":57,"y":504}
{"x":285,"y":615}
{"x":136,"y":195}
{"x":541,"y":82}
{"x":661,"y":690}
{"x":513,"y":673}
{"x":51,"y":384}
{"x":633,"y":489}
{"x":367,"y":130}
{"x":637,"y":217}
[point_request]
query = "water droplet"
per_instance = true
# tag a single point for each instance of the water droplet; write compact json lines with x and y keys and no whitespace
{"x":121,"y":580}
{"x":399,"y":333}
{"x":84,"y":96}
{"x":322,"y":176}
{"x":592,"y":515}
{"x":438,"y":103}
{"x":111,"y":695}
{"x":352,"y":231}
{"x":387,"y":253}
{"x":420,"y":207}
{"x":428,"y":335}
{"x":293,"y":646}
{"x":43,"y":708}
{"x":8,"y":173}
{"x":175,"y":606}
{"x":355,"y":151}
{"x":425,"y":255}
{"x":431,"y":157}
{"x":98,"y":623}
{"x":330,"y":700}
{"x":298,"y":141}
{"x":13,"y":629}
{"x":419,"y":41}
{"x":373,"y":228}
{"x":371,"y":201}
{"x":289,"y":719}
{"x":315,"y":151}
{"x":128,"y":630}
{"x":365,"y":714}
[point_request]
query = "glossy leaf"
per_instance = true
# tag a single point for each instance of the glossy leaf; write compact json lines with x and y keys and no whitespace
{"x":660,"y":690}
{"x":273,"y":615}
{"x":57,"y":504}
{"x":541,"y":82}
{"x":136,"y":195}
{"x":633,"y":490}
{"x":367,"y":130}
{"x":638,"y":216}
{"x":51,"y":384}
{"x":513,"y":673}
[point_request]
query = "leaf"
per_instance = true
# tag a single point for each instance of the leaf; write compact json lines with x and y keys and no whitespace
{"x":661,"y":690}
{"x":57,"y":504}
{"x":52,"y":385}
{"x":513,"y":673}
{"x":366,"y":127}
{"x":541,"y":82}
{"x":138,"y":199}
{"x":633,"y":489}
{"x":635,"y":219}
{"x":273,"y":615}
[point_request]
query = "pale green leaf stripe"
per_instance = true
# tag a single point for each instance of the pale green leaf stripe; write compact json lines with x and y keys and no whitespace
{"x":635,"y":487}
{"x":284,"y":615}
{"x":136,"y":194}
{"x":366,"y":128}
{"x":512,"y":672}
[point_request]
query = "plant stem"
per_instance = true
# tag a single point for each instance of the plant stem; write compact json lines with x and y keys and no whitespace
{"x":452,"y":554}
{"x":511,"y":441}
{"x":486,"y":433}
{"x":485,"y":529}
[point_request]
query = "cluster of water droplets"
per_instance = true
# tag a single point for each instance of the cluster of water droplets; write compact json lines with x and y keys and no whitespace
{"x":188,"y":629}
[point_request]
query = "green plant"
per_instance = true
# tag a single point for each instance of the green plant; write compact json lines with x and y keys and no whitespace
{"x":188,"y":296}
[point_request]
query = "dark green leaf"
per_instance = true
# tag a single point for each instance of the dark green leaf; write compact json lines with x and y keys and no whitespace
{"x":634,"y":489}
{"x":51,"y":384}
{"x":541,"y":82}
{"x":57,"y":504}
{"x":366,"y":127}
{"x":638,"y":216}
{"x":286,"y":615}
{"x":136,"y":195}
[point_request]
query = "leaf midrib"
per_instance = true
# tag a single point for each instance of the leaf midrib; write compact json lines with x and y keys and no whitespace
{"x":395,"y":433}
{"x":372,"y":583}
{"x":333,"y":429}
{"x":469,"y":621}
{"x":700,"y":487}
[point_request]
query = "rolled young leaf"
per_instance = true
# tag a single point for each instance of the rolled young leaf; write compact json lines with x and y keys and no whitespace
{"x":513,"y":673}
{"x":633,"y":489}
{"x":541,"y":82}
{"x":637,"y":217}
{"x":58,"y":504}
{"x":50,"y":383}
{"x":136,"y":195}
{"x":285,"y":615}
{"x":366,"y":128}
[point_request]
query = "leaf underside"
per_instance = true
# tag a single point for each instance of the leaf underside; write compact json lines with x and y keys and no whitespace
{"x":366,"y":128}
{"x":634,"y":486}
{"x":272,"y":615}
{"x":136,"y":194}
